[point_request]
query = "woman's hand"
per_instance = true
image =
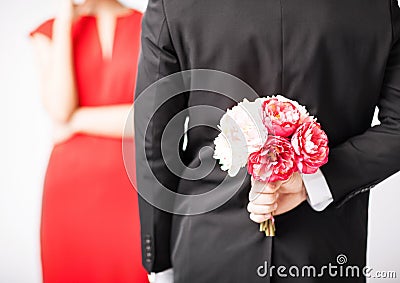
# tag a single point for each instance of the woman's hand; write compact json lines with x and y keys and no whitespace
{"x":62,"y":132}
{"x":275,"y":198}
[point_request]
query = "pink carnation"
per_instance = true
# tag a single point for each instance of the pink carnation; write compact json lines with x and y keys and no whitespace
{"x":310,"y":144}
{"x":274,"y":161}
{"x":282,"y":115}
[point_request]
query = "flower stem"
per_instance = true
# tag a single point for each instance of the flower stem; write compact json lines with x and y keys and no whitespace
{"x":268,"y":227}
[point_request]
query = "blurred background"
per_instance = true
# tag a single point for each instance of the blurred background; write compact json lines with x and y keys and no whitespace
{"x":26,"y":142}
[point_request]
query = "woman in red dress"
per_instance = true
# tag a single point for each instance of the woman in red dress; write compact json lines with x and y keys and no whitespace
{"x":90,"y":224}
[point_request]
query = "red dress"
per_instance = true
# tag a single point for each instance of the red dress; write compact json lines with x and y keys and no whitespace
{"x":90,"y":220}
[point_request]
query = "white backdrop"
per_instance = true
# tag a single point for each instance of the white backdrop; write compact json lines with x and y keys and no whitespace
{"x":25,"y":145}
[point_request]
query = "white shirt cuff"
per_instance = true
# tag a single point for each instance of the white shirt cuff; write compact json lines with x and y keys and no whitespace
{"x":166,"y":276}
{"x":319,"y":195}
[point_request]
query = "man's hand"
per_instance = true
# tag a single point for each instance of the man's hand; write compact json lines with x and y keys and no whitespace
{"x":275,"y":198}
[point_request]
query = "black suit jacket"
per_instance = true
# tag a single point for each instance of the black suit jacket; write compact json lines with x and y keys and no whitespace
{"x":340,"y":58}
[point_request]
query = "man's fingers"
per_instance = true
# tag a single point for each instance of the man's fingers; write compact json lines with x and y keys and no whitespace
{"x":259,"y":198}
{"x":261,"y":209}
{"x":259,"y":218}
{"x":265,"y":188}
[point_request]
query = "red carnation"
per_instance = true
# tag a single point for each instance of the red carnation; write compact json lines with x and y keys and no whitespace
{"x":310,"y":144}
{"x":274,"y":161}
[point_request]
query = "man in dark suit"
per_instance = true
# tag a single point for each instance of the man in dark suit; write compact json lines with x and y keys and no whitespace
{"x":339,"y":58}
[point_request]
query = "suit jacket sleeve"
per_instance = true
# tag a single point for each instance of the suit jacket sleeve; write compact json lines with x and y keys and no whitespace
{"x":154,"y":108}
{"x":360,"y":163}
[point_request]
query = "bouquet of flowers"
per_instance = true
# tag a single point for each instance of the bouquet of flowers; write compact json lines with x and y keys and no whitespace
{"x":274,"y":137}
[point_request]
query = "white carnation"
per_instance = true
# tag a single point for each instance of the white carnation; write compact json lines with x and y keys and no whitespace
{"x":242,"y":132}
